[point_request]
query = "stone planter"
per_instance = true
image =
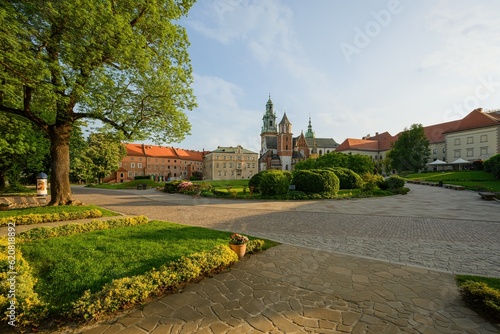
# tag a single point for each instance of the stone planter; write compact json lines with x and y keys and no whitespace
{"x":4,"y":207}
{"x":239,"y":250}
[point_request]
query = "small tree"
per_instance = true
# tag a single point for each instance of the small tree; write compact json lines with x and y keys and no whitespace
{"x":411,"y":151}
{"x":101,"y":157}
{"x":492,"y":165}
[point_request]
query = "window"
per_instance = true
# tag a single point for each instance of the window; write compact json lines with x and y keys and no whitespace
{"x":217,"y":165}
{"x":217,"y":158}
{"x":470,"y":140}
{"x":220,"y":173}
{"x":444,"y":149}
{"x":230,"y":165}
{"x":121,"y":175}
{"x":132,"y":165}
{"x":483,"y":138}
{"x":435,"y":151}
{"x":457,"y":154}
{"x":140,"y":159}
{"x":130,"y":174}
{"x":470,"y":152}
{"x":457,"y":141}
{"x":484,"y":150}
{"x":224,"y":165}
{"x":139,"y":165}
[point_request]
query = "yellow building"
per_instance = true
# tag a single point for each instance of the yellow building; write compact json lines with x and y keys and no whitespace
{"x":230,"y":163}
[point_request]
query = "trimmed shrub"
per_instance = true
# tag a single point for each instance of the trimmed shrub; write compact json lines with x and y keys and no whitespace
{"x":124,"y":292}
{"x":171,"y":187}
{"x":296,"y":195}
{"x":69,"y":229}
{"x":480,"y":297}
{"x":492,"y":165}
{"x":50,"y":217}
{"x":142,"y":177}
{"x":347,"y":177}
{"x":394,"y":182}
{"x":371,"y":182}
{"x":29,"y":307}
{"x":274,"y":183}
{"x":316,"y":181}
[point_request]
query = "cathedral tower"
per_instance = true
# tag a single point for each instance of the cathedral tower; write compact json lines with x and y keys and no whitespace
{"x":285,"y":143}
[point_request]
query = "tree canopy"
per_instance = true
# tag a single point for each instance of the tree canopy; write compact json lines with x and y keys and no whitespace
{"x":410,"y":152}
{"x":358,"y":163}
{"x":124,"y":63}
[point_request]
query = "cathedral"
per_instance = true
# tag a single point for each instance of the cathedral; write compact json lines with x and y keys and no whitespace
{"x":280,"y":150}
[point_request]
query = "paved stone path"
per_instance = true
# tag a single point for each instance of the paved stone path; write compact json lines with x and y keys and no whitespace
{"x":381,"y":265}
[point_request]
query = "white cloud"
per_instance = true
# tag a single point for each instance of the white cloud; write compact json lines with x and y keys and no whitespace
{"x":220,"y":120}
{"x":470,"y":40}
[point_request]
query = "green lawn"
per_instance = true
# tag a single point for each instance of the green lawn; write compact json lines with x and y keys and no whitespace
{"x":90,"y":260}
{"x":55,"y":209}
{"x":130,"y":184}
{"x":474,"y":180}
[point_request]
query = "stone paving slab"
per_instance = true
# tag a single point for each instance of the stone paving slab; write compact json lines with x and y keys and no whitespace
{"x":290,"y":289}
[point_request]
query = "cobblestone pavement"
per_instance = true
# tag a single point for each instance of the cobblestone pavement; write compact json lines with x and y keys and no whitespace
{"x":382,"y":265}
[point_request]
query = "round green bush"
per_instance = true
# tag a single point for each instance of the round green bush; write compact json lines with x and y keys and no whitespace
{"x":274,"y":182}
{"x":492,"y":165}
{"x":394,"y":182}
{"x":316,"y":181}
{"x":347,"y":177}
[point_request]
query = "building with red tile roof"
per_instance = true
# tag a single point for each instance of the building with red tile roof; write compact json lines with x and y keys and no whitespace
{"x":161,"y":162}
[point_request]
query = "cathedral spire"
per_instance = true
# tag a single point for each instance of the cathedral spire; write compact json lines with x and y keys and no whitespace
{"x":310,"y":132}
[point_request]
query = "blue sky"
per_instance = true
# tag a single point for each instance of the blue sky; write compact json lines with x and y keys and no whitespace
{"x":355,"y":67}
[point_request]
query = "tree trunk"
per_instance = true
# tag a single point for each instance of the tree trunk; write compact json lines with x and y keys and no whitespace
{"x":60,"y":191}
{"x":2,"y":181}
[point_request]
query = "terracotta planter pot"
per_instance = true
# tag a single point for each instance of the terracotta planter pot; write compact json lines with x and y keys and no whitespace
{"x":4,"y":207}
{"x":239,"y":250}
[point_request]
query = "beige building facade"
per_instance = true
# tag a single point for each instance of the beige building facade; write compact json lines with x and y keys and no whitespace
{"x":230,"y":163}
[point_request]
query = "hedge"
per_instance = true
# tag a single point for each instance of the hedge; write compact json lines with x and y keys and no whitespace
{"x":316,"y":181}
{"x":480,"y":297}
{"x":28,"y":306}
{"x":69,"y":229}
{"x":274,"y":182}
{"x":125,"y":292}
{"x":347,"y":177}
{"x":50,"y":217}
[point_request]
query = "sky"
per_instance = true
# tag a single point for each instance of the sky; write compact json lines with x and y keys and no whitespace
{"x":354,"y":67}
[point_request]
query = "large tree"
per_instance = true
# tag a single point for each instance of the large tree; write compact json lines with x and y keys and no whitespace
{"x":124,"y":63}
{"x":410,"y":152}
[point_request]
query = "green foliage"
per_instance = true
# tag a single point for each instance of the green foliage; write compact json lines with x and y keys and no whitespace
{"x":475,"y":180}
{"x":69,"y":229}
{"x":411,"y":151}
{"x":348,"y":178}
{"x":101,"y":157}
{"x":30,"y":219}
{"x":41,"y":210}
{"x":23,"y":149}
{"x":317,"y":181}
{"x":482,"y":298}
{"x":254,"y":182}
{"x":358,"y":163}
{"x":29,"y":307}
{"x":123,"y":63}
{"x":492,"y":165}
{"x":142,"y":177}
{"x":124,"y":292}
{"x":371,"y":181}
{"x":392,"y":183}
{"x":274,"y":182}
{"x":296,"y":195}
{"x":172,"y":186}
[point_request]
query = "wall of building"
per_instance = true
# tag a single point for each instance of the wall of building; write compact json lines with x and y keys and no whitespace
{"x":474,"y":144}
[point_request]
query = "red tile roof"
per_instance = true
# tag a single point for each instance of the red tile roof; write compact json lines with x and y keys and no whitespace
{"x":435,"y":133}
{"x":477,"y":119}
{"x":358,"y":145}
{"x":145,"y":150}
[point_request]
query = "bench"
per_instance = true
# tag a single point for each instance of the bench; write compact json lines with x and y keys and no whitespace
{"x":453,"y":186}
{"x":487,"y":195}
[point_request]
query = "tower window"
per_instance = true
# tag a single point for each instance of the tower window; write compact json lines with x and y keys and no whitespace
{"x":270,"y":123}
